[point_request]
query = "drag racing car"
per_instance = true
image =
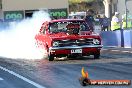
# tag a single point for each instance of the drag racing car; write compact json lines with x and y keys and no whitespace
{"x":68,"y":37}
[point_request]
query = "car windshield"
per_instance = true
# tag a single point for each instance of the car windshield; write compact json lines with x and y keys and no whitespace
{"x":56,"y":27}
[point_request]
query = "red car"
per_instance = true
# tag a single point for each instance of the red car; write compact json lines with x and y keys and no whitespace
{"x":68,"y":37}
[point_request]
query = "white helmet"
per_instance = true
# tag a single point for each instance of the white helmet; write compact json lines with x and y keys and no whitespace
{"x":117,"y":13}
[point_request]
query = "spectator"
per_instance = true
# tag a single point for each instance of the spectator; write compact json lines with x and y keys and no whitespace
{"x":105,"y":23}
{"x":115,"y":23}
{"x":90,"y":19}
{"x":98,"y":20}
{"x":74,"y":17}
{"x":98,"y":17}
{"x":129,"y":21}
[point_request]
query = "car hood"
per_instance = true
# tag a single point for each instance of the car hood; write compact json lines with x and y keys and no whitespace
{"x":60,"y":36}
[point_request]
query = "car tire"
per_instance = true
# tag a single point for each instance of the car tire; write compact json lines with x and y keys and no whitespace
{"x":97,"y":56}
{"x":50,"y":57}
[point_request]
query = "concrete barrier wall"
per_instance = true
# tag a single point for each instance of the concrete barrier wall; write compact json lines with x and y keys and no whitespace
{"x":127,"y":38}
{"x":111,"y":38}
{"x":119,"y":38}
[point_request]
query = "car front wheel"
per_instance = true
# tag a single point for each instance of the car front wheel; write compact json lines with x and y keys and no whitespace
{"x":97,"y":56}
{"x":50,"y":57}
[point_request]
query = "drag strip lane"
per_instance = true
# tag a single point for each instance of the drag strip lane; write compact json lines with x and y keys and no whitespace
{"x":15,"y":80}
{"x":65,"y":74}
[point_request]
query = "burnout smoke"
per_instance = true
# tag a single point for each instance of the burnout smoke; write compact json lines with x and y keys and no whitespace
{"x":18,"y":40}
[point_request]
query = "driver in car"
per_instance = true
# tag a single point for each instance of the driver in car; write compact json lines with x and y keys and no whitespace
{"x":73,"y":29}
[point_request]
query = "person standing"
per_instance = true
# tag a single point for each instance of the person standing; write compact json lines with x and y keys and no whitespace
{"x":129,"y":21}
{"x":90,"y":19}
{"x":105,"y":23}
{"x":115,"y":22}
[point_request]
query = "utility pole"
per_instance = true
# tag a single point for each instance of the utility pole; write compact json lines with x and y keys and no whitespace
{"x":126,"y":11}
{"x":108,"y":8}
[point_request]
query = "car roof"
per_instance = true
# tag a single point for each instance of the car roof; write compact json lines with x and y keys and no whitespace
{"x":65,"y":20}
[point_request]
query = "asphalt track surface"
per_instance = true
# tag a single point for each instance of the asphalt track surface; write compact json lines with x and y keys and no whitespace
{"x":114,"y":63}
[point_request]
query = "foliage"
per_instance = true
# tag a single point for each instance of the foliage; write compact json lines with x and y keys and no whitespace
{"x":80,"y":1}
{"x":83,"y":1}
{"x":83,"y":5}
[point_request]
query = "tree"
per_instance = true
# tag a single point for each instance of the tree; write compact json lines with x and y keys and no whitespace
{"x":83,"y":5}
{"x":80,"y":1}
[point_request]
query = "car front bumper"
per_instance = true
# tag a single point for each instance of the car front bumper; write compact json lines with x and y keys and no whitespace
{"x":86,"y":50}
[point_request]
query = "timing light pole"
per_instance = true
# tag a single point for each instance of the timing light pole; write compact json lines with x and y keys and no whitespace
{"x":126,"y":11}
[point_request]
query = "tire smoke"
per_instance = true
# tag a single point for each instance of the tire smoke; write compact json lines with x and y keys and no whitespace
{"x":17,"y":40}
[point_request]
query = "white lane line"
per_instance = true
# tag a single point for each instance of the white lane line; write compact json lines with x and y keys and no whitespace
{"x":126,"y":51}
{"x":23,"y":78}
{"x":104,"y":49}
{"x":1,"y":79}
{"x":115,"y":50}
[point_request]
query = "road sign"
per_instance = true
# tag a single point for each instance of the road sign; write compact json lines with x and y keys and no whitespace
{"x":13,"y":15}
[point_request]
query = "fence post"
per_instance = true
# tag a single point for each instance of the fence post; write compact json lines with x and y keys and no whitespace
{"x":122,"y":37}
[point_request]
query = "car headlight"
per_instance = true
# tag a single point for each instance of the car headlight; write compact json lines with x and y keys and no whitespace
{"x":55,"y":43}
{"x":96,"y":41}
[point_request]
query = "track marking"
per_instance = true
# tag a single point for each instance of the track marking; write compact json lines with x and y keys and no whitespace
{"x":104,"y":49}
{"x":121,"y":51}
{"x":126,"y":51}
{"x":1,"y":79}
{"x":23,"y":78}
{"x":115,"y":50}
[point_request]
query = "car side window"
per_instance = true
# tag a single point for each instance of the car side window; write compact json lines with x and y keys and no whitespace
{"x":53,"y":27}
{"x":44,"y":29}
{"x":84,"y":27}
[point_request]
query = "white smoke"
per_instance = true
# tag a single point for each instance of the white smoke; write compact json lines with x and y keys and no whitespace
{"x":18,"y":40}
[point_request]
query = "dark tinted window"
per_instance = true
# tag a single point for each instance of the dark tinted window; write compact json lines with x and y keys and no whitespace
{"x":56,"y":27}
